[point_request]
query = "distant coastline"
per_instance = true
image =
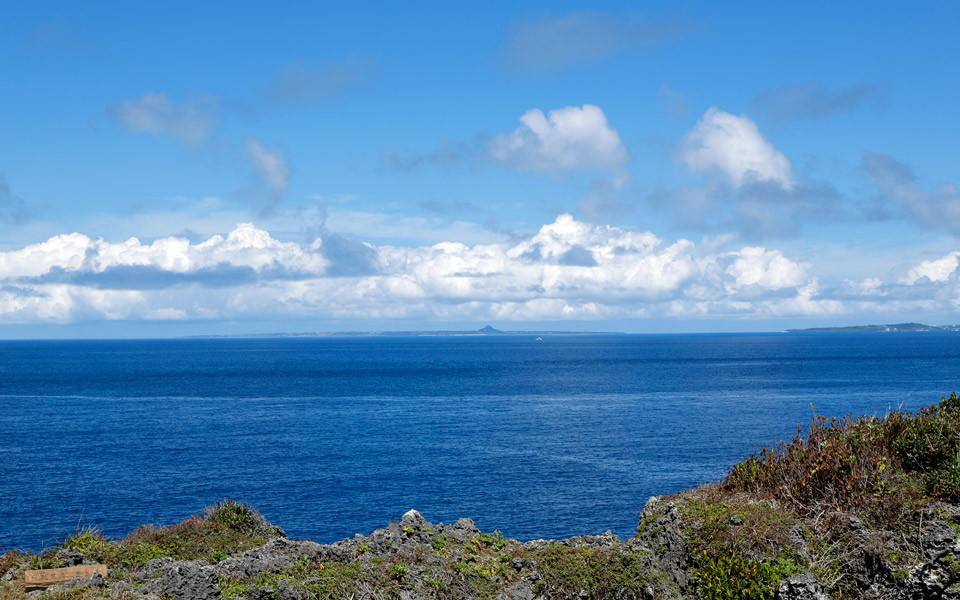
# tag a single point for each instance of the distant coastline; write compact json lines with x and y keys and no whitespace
{"x":492,"y":331}
{"x":895,"y":327}
{"x":488,"y":330}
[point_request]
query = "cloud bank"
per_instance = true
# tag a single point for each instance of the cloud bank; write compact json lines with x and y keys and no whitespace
{"x":568,"y":270}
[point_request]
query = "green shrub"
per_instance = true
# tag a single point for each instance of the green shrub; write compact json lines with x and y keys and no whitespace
{"x":741,"y":549}
{"x":89,"y":542}
{"x":239,"y":517}
{"x":734,"y":577}
{"x":874,"y":467}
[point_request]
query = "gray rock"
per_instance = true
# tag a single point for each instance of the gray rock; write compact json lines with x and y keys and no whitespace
{"x":797,"y":537}
{"x":69,"y":557}
{"x":801,"y":587}
{"x":181,"y":580}
{"x":521,"y":590}
{"x":936,"y":538}
{"x":462,"y":530}
{"x":414,"y":520}
{"x":660,"y":534}
{"x":952,"y":592}
{"x":97,"y":581}
{"x":926,"y":580}
{"x":273,"y":556}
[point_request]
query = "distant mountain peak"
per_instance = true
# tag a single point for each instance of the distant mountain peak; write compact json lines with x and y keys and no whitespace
{"x":489,"y":329}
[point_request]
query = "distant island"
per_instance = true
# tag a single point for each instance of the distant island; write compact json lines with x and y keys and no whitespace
{"x":488,"y":330}
{"x":892,"y":327}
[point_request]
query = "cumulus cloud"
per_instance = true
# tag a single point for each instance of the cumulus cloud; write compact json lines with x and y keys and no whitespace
{"x":189,"y":122}
{"x":245,"y":246}
{"x":582,"y":37}
{"x":936,"y":271}
{"x":871,"y":286}
{"x":811,"y":100}
{"x":564,"y":140}
{"x":768,"y":269}
{"x":733,"y":146}
{"x":301,"y":83}
{"x":900,"y":193}
{"x":567,"y":270}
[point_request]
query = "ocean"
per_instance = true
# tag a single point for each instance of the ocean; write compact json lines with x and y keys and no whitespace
{"x":328,"y":437}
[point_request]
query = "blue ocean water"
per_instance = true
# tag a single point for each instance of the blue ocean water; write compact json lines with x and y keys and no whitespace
{"x":333,"y":436}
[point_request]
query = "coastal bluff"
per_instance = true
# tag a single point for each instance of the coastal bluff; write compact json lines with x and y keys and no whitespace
{"x":852,"y":508}
{"x":414,"y":559}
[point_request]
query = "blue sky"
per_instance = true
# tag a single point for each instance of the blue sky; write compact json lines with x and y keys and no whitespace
{"x":242,"y":167}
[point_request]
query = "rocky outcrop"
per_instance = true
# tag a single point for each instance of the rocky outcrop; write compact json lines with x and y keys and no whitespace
{"x":180,"y":580}
{"x":801,"y":587}
{"x":679,"y":549}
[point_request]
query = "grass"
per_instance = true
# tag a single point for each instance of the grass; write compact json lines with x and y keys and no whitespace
{"x":226,"y":529}
{"x":305,"y":580}
{"x":578,"y":573}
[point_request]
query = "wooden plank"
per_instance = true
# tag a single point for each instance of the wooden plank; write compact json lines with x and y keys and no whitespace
{"x":47,"y":577}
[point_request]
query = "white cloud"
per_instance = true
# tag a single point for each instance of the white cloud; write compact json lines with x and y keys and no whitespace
{"x":806,"y":303}
{"x":190,"y":121}
{"x":567,"y":270}
{"x":769,"y":269}
{"x":870,"y":286}
{"x":733,"y":146}
{"x":938,"y":270}
{"x":269,"y":164}
{"x":564,"y":140}
{"x":245,"y":246}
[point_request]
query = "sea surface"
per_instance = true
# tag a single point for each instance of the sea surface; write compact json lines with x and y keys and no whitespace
{"x":328,"y":437}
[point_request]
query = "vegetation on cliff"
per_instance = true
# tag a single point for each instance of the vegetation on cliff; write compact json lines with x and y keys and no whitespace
{"x":844,"y":500}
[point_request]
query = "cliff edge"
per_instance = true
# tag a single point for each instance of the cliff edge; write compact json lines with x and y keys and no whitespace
{"x":849,"y":508}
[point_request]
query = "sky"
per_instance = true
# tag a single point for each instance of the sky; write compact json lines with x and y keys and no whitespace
{"x":218,"y":168}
